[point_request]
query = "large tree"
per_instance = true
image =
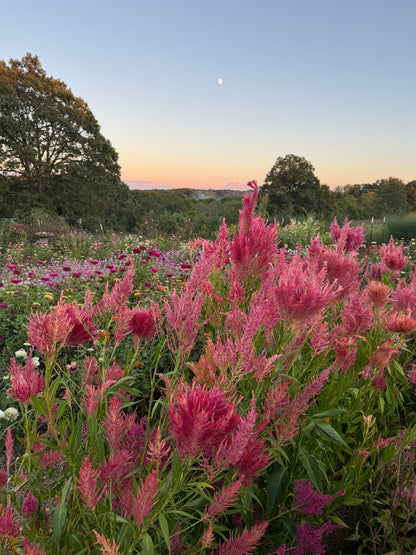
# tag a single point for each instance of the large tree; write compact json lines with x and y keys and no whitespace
{"x":50,"y":139}
{"x":291,"y":188}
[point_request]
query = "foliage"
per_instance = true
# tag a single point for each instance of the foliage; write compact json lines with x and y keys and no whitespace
{"x":402,"y":228}
{"x":265,"y":405}
{"x":299,"y":233}
{"x":292,"y":188}
{"x":51,"y":149}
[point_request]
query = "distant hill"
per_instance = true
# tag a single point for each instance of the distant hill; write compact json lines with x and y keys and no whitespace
{"x":148,"y":185}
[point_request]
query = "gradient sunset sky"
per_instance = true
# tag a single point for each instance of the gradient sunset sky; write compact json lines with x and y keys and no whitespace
{"x":330,"y":80}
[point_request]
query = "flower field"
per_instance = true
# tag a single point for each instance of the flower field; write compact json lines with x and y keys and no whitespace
{"x":215,"y":397}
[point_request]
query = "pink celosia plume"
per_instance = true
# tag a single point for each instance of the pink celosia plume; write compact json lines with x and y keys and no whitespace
{"x":87,"y":484}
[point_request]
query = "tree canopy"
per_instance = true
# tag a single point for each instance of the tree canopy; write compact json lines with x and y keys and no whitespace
{"x":291,"y":188}
{"x":50,"y":139}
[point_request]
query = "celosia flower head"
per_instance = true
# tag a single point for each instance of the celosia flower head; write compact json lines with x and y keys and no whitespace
{"x":30,"y":504}
{"x":200,"y":419}
{"x":349,"y":238}
{"x":25,"y":380}
{"x":309,"y":502}
{"x":392,"y":256}
{"x":142,"y":324}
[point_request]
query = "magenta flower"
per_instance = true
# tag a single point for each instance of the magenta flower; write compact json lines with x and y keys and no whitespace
{"x":349,"y":239}
{"x":309,"y":502}
{"x":16,"y":280}
{"x":4,"y":306}
{"x":302,"y":292}
{"x":392,"y":256}
{"x":25,"y":381}
{"x":142,"y":324}
{"x":3,"y":477}
{"x":245,"y":543}
{"x":200,"y":419}
{"x":30,"y":504}
{"x":9,"y":528}
{"x":310,"y":539}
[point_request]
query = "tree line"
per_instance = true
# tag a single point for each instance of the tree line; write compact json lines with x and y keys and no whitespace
{"x":53,"y":157}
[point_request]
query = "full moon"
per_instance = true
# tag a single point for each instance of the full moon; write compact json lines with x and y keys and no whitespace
{"x":219,"y":81}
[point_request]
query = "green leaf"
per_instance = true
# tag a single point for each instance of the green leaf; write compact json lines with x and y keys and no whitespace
{"x":330,"y":413}
{"x":147,"y":545}
{"x":58,"y":523}
{"x":164,"y":526}
{"x":312,"y":467}
{"x":326,"y":431}
{"x":276,"y":488}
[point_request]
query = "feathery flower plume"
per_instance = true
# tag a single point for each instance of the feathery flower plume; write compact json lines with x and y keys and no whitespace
{"x":9,"y":528}
{"x":207,"y":537}
{"x":255,"y":246}
{"x":87,"y":484}
{"x":31,"y":548}
{"x":49,"y":331}
{"x":25,"y":381}
{"x":146,"y":498}
{"x":346,"y":352}
{"x":245,"y":543}
{"x":158,"y":450}
{"x":107,"y":547}
{"x":117,"y":466}
{"x":356,"y":316}
{"x":404,"y":296}
{"x":3,"y":477}
{"x":30,"y":504}
{"x":182,"y":315}
{"x":115,"y":423}
{"x":120,"y":293}
{"x":342,"y":269}
{"x":349,"y":238}
{"x":81,"y":326}
{"x":142,"y":324}
{"x":286,"y":412}
{"x":310,"y":539}
{"x":400,"y":323}
{"x":381,"y":357}
{"x":91,"y":400}
{"x":200,"y":419}
{"x":302,"y":293}
{"x":223,"y":499}
{"x":309,"y":502}
{"x":376,"y":270}
{"x":233,"y":447}
{"x":378,"y":293}
{"x":392,"y":256}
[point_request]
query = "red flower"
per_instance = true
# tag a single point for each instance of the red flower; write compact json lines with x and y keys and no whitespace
{"x":142,"y":324}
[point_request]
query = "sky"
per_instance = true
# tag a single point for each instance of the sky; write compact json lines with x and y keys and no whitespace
{"x":330,"y":80}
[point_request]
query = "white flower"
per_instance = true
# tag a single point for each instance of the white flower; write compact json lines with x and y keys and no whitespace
{"x":21,"y":353}
{"x":35,"y":361}
{"x":10,"y":414}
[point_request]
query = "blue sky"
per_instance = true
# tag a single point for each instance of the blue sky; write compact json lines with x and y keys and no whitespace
{"x":332,"y":81}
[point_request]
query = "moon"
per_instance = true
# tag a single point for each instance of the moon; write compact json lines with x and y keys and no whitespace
{"x":219,"y":81}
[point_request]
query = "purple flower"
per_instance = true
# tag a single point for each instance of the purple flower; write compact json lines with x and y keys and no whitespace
{"x":4,"y":306}
{"x":30,"y":504}
{"x":310,"y":502}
